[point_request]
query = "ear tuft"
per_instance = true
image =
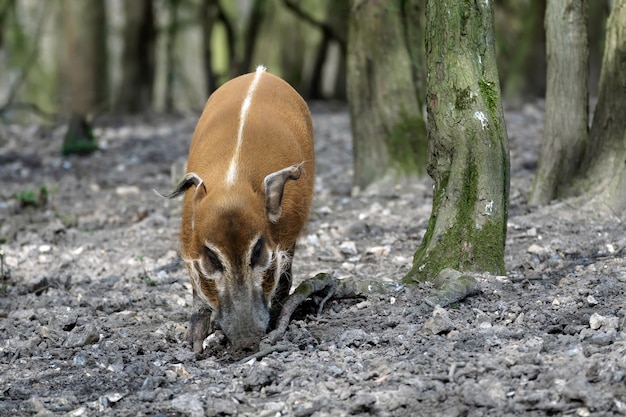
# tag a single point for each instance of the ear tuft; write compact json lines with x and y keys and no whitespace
{"x":190,"y":179}
{"x":274,"y":188}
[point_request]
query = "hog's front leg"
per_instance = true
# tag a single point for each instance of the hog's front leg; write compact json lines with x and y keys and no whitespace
{"x":200,"y":325}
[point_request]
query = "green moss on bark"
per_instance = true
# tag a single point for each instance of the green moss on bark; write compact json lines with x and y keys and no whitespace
{"x":465,"y":246}
{"x":418,"y":272}
{"x":464,"y":99}
{"x":407,"y":145}
{"x":79,"y":138}
{"x":489,"y":93}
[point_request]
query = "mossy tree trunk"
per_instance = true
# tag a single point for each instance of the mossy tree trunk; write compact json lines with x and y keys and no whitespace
{"x":567,"y":99}
{"x":604,"y":170}
{"x":385,"y":68}
{"x":468,"y":151}
{"x":138,"y":58}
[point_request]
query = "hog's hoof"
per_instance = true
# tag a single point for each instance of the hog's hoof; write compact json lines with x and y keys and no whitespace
{"x":199,"y":328}
{"x":214,"y":343}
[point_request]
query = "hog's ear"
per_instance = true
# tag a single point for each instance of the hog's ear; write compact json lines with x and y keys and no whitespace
{"x":190,"y":179}
{"x":274,"y":187}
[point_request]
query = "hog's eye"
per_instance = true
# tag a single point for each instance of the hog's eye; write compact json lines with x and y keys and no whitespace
{"x":257,"y":253}
{"x":214,"y":261}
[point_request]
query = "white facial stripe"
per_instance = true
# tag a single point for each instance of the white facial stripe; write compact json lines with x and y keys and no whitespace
{"x":194,"y":274}
{"x":251,"y":249}
{"x":193,"y":271}
{"x":198,"y":271}
{"x":232,"y":168}
{"x":281,"y":260}
{"x":278,"y":258}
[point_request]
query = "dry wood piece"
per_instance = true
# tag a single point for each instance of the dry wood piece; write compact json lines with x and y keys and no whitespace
{"x":321,"y":283}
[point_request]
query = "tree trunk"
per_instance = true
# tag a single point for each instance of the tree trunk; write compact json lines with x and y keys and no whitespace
{"x":170,"y":42}
{"x":334,"y":29}
{"x":596,"y":28}
{"x":389,"y":132}
{"x":84,"y":56}
{"x":567,"y":99}
{"x":231,"y":40}
{"x":315,"y":86}
{"x":209,"y":10}
{"x":257,"y":14}
{"x":467,"y":142}
{"x":527,"y":55}
{"x":604,"y":174}
{"x":138,"y":58}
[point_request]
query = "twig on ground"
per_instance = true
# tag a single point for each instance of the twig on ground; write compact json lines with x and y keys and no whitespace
{"x":451,"y":286}
{"x":307,"y":288}
{"x":264,"y":352}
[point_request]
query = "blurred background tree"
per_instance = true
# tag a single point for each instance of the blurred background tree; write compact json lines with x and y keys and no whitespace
{"x":168,"y":55}
{"x":83,"y":69}
{"x":134,"y":56}
{"x":68,"y":58}
{"x":567,"y":99}
{"x":83,"y":56}
{"x":602,"y":174}
{"x":138,"y":38}
{"x":386,"y":90}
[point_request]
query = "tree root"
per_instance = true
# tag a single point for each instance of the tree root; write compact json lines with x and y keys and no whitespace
{"x":325,"y":287}
{"x":321,"y":283}
{"x":264,"y":352}
{"x":451,"y":286}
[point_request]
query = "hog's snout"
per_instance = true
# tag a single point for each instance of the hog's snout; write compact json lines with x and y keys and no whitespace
{"x":244,"y":322}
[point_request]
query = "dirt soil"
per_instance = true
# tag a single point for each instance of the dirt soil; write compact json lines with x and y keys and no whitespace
{"x":94,"y":300}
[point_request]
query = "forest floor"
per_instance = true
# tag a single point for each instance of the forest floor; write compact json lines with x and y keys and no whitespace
{"x":94,"y":300}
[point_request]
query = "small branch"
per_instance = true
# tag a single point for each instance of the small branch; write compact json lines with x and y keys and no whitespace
{"x":29,"y":62}
{"x":32,"y":107}
{"x":451,"y":286}
{"x":264,"y":352}
{"x":307,"y":288}
{"x":323,"y":26}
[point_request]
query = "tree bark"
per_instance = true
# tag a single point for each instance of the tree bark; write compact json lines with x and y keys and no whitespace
{"x":255,"y":19}
{"x":567,"y":99}
{"x":84,"y":56}
{"x":604,"y":173}
{"x":527,"y":54}
{"x":209,"y":10}
{"x":231,"y":40}
{"x":138,"y":58}
{"x":389,"y":132}
{"x":468,"y":152}
{"x":170,"y":64}
{"x":596,"y":28}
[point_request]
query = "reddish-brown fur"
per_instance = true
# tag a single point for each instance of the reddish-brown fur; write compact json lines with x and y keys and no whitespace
{"x":232,"y":219}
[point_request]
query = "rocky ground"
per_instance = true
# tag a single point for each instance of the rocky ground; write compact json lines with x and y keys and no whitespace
{"x":94,"y":300}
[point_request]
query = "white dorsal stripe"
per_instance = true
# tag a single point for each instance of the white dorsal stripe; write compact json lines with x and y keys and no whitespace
{"x":232,"y":168}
